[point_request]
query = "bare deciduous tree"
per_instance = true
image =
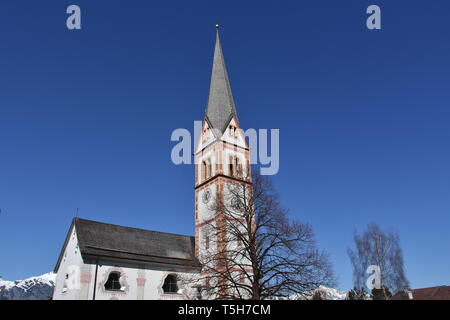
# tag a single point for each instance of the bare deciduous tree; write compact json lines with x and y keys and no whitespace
{"x":380,"y":248}
{"x":256,"y":251}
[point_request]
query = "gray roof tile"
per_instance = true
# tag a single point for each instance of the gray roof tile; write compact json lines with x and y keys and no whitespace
{"x":103,"y":240}
{"x":221,"y":106}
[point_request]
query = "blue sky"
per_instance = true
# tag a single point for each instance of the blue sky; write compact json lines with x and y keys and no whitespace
{"x":86,"y":118}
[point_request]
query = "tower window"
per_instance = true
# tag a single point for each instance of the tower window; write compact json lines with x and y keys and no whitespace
{"x":170,"y":284}
{"x":231,"y":166}
{"x":248,"y":169}
{"x":238,"y":167}
{"x":232,"y":131}
{"x":203,"y":170}
{"x":242,"y":277}
{"x":207,"y":241}
{"x":235,"y":167}
{"x":113,"y":282}
{"x":206,"y":235}
{"x":205,"y":134}
{"x":206,"y":169}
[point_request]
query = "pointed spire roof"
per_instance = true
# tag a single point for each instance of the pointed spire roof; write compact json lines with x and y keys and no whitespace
{"x":221,"y":106}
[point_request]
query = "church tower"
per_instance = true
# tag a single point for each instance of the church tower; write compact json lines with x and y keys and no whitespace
{"x":222,"y":156}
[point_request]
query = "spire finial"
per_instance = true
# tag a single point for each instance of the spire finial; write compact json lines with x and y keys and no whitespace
{"x":217,"y":26}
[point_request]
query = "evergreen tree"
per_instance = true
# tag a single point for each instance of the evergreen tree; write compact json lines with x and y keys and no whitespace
{"x":357,"y":294}
{"x":381,"y":294}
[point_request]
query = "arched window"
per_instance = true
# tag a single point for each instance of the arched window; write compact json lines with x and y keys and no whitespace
{"x":238,"y":167}
{"x":208,"y":169}
{"x":65,"y":286}
{"x":170,"y":284}
{"x":113,"y":282}
{"x":205,"y":135}
{"x":242,"y":277}
{"x":232,"y":131}
{"x":204,"y":170}
{"x":235,"y":167}
{"x":207,"y":236}
{"x":247,"y":169}
{"x":231,"y":166}
{"x":207,"y":240}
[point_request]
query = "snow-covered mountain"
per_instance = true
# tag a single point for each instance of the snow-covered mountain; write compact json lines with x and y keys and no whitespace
{"x":34,"y":288}
{"x":333,"y":294}
{"x":326,"y":293}
{"x":41,"y":288}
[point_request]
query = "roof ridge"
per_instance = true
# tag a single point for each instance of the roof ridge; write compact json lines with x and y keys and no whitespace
{"x":127,"y":227}
{"x":136,"y":253}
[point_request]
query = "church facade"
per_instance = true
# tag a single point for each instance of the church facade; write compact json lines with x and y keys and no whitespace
{"x":101,"y":261}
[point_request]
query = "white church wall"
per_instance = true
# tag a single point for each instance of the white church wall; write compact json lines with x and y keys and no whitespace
{"x":140,"y":284}
{"x":75,"y":279}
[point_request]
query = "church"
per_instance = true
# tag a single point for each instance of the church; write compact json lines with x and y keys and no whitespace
{"x":101,"y":261}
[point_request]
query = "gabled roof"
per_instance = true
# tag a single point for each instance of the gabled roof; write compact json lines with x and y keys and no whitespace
{"x":432,"y":293}
{"x":220,"y":108}
{"x":107,"y":241}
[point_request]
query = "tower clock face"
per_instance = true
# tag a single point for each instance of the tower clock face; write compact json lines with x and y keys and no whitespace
{"x":206,"y":196}
{"x":236,"y":204}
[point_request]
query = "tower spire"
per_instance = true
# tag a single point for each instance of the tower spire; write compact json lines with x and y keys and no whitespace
{"x":220,"y":108}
